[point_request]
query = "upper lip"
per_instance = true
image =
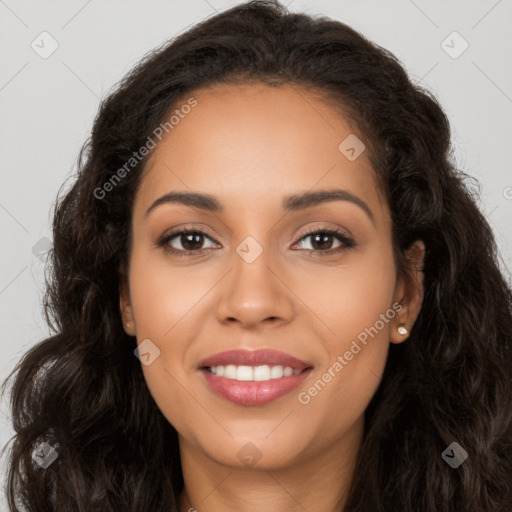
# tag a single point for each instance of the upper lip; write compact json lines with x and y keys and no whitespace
{"x":254,"y":358}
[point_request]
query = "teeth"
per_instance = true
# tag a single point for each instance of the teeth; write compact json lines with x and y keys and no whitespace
{"x":244,"y":373}
{"x":257,"y":373}
{"x":262,"y":372}
{"x":287,"y":372}
{"x":276,"y":372}
{"x":230,"y":371}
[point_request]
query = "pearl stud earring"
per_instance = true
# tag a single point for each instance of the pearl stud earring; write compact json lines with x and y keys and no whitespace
{"x":402,"y":330}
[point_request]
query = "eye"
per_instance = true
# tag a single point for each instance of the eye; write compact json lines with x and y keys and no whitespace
{"x":192,"y":240}
{"x":322,"y":240}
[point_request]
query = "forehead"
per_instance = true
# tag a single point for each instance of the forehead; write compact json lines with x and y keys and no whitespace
{"x":246,"y":143}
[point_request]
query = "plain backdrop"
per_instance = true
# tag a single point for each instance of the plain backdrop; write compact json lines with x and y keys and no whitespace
{"x":48,"y":103}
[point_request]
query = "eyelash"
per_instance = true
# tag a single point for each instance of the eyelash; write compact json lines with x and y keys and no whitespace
{"x":347,"y":243}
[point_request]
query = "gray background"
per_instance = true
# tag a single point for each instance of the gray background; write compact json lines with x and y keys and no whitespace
{"x":48,"y":105}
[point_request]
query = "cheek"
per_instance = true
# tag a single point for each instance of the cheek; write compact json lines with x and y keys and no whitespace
{"x":355,"y":304}
{"x":350,"y":297}
{"x":163,"y":300}
{"x":162,"y":295}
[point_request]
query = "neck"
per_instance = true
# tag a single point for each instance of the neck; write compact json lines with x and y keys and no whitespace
{"x":320,"y":482}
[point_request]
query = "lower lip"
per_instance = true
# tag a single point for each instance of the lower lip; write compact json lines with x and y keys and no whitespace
{"x":254,"y":392}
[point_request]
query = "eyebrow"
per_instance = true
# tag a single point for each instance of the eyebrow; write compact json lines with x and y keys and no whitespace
{"x":290,"y":203}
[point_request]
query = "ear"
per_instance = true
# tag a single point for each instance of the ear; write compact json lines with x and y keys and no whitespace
{"x":409,"y":293}
{"x":125,"y":307}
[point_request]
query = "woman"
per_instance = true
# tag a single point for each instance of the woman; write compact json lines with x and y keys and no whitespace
{"x":271,"y":290}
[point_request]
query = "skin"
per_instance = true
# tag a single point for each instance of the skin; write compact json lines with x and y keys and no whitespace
{"x":250,"y":146}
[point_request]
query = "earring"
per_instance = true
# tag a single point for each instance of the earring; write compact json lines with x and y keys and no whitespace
{"x":402,"y":329}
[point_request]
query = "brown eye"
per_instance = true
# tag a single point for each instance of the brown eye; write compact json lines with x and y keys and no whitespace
{"x":322,"y":240}
{"x":184,"y":242}
{"x":189,"y":242}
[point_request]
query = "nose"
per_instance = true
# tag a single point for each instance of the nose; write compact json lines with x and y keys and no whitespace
{"x":255,"y":293}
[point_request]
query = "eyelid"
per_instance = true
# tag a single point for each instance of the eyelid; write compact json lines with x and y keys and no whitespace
{"x":187,"y":228}
{"x":342,"y":235}
{"x":347,"y":241}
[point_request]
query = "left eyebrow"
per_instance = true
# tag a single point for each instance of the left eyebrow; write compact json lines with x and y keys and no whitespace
{"x":309,"y":199}
{"x":290,"y":203}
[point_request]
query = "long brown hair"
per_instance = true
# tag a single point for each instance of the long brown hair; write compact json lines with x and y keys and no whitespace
{"x":82,"y":390}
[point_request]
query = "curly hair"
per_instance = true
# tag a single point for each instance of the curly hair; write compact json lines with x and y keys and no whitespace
{"x":83,"y":391}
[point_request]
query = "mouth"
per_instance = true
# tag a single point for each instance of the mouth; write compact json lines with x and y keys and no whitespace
{"x":247,"y":377}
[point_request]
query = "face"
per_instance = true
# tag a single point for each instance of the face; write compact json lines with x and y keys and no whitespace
{"x":309,"y":316}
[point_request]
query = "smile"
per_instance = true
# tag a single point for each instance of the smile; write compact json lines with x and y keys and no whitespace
{"x":250,"y":378}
